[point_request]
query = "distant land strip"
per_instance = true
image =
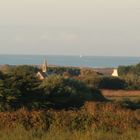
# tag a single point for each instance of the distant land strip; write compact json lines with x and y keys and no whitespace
{"x":121,"y":93}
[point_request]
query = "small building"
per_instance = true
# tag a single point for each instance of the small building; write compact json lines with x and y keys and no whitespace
{"x":115,"y":73}
{"x":44,"y":71}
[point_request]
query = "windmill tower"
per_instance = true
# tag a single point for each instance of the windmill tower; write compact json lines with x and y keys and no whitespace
{"x":45,"y":66}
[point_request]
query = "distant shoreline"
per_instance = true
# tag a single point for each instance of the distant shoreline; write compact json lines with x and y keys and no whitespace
{"x":69,"y":61}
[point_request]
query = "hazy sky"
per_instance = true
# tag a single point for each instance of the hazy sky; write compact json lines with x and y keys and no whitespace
{"x":91,"y":27}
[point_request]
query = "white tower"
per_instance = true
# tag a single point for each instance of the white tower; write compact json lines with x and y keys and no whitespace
{"x":115,"y":73}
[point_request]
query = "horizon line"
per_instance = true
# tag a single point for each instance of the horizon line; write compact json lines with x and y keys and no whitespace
{"x":74,"y":55}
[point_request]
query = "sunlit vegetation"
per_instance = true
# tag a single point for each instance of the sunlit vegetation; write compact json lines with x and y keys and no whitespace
{"x":93,"y":120}
{"x":68,"y":104}
{"x":131,"y":74}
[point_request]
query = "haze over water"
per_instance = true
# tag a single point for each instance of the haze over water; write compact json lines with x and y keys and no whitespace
{"x":75,"y":60}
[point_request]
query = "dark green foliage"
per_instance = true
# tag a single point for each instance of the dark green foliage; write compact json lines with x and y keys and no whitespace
{"x":92,"y":81}
{"x":1,"y":75}
{"x":112,"y":83}
{"x":19,"y":88}
{"x":96,"y":80}
{"x":133,"y":82}
{"x":97,"y":95}
{"x":124,"y":70}
{"x":67,"y":92}
{"x":133,"y":69}
{"x":104,"y":82}
{"x":130,"y":104}
{"x":89,"y":72}
{"x":62,"y":70}
{"x":90,"y":78}
{"x":24,"y":70}
{"x":131,"y":74}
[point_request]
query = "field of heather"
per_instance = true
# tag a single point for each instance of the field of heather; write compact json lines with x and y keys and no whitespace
{"x":94,"y":121}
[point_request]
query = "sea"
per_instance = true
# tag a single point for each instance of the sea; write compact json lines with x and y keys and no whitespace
{"x":69,"y":60}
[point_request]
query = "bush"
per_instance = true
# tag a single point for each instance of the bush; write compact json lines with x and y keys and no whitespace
{"x":61,"y":70}
{"x":66,"y":92}
{"x":19,"y":88}
{"x":92,"y":81}
{"x":104,"y":82}
{"x":132,"y":81}
{"x":112,"y":83}
{"x":131,"y":74}
{"x":133,"y":69}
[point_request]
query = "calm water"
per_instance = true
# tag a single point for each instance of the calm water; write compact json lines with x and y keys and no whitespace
{"x":85,"y":61}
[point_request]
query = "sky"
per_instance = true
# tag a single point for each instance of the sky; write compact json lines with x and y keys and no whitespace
{"x":70,"y":27}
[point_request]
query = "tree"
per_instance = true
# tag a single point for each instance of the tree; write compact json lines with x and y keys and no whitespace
{"x":20,"y":87}
{"x":65,"y":92}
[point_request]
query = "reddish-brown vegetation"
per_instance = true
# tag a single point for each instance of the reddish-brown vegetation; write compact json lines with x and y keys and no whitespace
{"x":105,"y":116}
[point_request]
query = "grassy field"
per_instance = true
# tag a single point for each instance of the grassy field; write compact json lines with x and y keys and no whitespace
{"x":118,"y":95}
{"x":21,"y":134}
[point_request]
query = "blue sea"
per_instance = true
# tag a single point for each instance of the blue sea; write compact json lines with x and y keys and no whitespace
{"x":62,"y":60}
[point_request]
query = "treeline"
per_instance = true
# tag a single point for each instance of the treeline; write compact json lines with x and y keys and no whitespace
{"x":104,"y":82}
{"x":127,"y":70}
{"x":22,"y":88}
{"x":66,"y":71}
{"x":64,"y":88}
{"x":129,"y":78}
{"x":99,"y":81}
{"x":131,"y":75}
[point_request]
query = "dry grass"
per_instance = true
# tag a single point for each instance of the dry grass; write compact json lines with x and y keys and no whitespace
{"x":121,"y":93}
{"x":20,"y":133}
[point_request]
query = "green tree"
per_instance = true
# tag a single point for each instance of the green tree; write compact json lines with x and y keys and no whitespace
{"x":65,"y":92}
{"x":20,"y":88}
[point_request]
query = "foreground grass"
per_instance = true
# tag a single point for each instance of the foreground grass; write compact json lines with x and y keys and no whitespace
{"x":20,"y":133}
{"x":94,"y":121}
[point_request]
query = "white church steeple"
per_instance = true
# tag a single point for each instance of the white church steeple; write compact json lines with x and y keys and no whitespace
{"x":45,"y":66}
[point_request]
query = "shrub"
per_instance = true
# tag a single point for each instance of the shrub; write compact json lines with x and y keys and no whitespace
{"x":133,"y":69}
{"x":112,"y":83}
{"x":61,"y":70}
{"x":104,"y":82}
{"x":66,"y":92}
{"x":137,"y":115}
{"x":100,"y":116}
{"x":92,"y":81}
{"x":132,"y":81}
{"x":19,"y":88}
{"x":109,"y":117}
{"x":131,"y":74}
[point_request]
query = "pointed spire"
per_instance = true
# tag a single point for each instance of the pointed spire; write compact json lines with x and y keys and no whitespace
{"x":45,"y":66}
